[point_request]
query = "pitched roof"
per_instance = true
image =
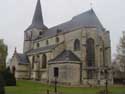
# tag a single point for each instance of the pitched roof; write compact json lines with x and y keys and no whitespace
{"x":37,"y":21}
{"x":38,"y":18}
{"x":86,"y":19}
{"x":22,"y":58}
{"x":65,"y":56}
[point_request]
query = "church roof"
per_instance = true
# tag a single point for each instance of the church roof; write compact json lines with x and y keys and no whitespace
{"x":86,"y":19}
{"x":22,"y":58}
{"x":65,"y":56}
{"x":38,"y":18}
{"x":37,"y":21}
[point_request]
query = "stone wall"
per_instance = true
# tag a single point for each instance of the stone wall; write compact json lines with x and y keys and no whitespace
{"x":102,"y":52}
{"x":69,"y":73}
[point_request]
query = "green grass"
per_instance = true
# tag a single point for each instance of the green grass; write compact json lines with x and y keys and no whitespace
{"x":30,"y":87}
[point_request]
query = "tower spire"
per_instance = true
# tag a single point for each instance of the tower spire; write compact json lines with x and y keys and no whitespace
{"x":38,"y":18}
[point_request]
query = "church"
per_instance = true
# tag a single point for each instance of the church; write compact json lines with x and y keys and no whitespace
{"x":78,"y":50}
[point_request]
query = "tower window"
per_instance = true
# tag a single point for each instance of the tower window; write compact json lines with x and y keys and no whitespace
{"x":59,"y":30}
{"x":76,"y":45}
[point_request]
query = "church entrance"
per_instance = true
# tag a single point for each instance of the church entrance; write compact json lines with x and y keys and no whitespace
{"x":13,"y":70}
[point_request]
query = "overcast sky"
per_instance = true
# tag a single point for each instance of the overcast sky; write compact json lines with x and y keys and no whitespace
{"x":16,"y":16}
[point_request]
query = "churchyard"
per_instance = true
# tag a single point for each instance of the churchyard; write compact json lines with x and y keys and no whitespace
{"x":31,"y":87}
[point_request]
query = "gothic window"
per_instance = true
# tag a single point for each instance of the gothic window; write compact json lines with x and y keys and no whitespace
{"x":102,"y":73}
{"x":47,"y":42}
{"x":38,"y":45}
{"x":44,"y":61}
{"x":40,"y":33}
{"x":76,"y":45}
{"x":57,"y":39}
{"x":38,"y":58}
{"x":33,"y":60}
{"x":90,"y":52}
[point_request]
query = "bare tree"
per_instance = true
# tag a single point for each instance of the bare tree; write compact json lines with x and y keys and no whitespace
{"x":120,"y":56}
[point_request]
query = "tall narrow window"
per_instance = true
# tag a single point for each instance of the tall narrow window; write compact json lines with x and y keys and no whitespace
{"x":33,"y":60}
{"x":40,"y":33}
{"x":38,"y":45}
{"x":90,"y":57}
{"x":90,"y":52}
{"x":47,"y":42}
{"x":57,"y":39}
{"x":38,"y":58}
{"x":44,"y":61}
{"x":76,"y":45}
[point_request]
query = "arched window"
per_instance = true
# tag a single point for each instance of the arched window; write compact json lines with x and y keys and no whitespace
{"x":57,"y":39}
{"x":76,"y":45}
{"x":38,"y":45}
{"x":33,"y":60}
{"x":38,"y":58}
{"x":44,"y":61}
{"x":40,"y":33}
{"x":90,"y":52}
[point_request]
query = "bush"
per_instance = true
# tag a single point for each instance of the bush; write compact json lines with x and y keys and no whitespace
{"x":2,"y":91}
{"x":9,"y":78}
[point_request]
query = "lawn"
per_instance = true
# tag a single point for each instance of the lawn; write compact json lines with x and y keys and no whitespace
{"x":30,"y":87}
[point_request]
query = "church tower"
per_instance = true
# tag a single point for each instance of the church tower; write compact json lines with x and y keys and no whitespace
{"x":36,"y":29}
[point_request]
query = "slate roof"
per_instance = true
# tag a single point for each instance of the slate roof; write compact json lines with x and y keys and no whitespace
{"x":86,"y":19}
{"x":37,"y":21}
{"x":22,"y":58}
{"x":42,"y":49}
{"x":65,"y":56}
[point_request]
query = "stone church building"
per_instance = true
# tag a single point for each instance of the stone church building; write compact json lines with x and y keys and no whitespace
{"x":79,"y":49}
